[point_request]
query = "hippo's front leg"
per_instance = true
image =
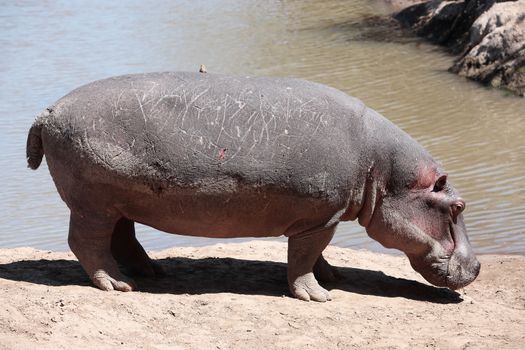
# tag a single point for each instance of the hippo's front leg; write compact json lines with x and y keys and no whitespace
{"x":304,"y":250}
{"x":90,"y":241}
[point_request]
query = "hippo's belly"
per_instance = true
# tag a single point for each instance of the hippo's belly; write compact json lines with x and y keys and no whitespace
{"x":246,"y":212}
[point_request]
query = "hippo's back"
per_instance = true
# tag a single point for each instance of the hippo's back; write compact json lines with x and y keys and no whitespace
{"x":182,"y":129}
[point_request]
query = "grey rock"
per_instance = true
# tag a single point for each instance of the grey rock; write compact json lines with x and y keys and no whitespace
{"x":495,"y":53}
{"x":488,"y":37}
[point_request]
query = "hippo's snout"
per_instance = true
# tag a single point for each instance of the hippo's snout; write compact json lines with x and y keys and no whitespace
{"x":454,"y":272}
{"x":463,"y":267}
{"x":462,"y":270}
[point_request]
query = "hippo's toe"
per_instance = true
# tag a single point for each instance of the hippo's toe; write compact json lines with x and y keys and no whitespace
{"x":306,"y":288}
{"x":119,"y":282}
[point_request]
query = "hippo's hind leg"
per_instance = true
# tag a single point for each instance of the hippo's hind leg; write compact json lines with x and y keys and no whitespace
{"x":325,"y":272}
{"x":128,"y":252}
{"x":304,"y":251}
{"x":90,"y":240}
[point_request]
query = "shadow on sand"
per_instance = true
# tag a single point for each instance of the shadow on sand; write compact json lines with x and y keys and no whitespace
{"x":217,"y":275}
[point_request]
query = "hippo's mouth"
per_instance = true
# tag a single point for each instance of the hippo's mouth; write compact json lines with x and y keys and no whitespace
{"x":440,"y":272}
{"x":451,"y":264}
{"x":449,"y":277}
{"x":434,"y":269}
{"x":462,"y":266}
{"x":452,"y":234}
{"x":441,"y":265}
{"x":437,"y":269}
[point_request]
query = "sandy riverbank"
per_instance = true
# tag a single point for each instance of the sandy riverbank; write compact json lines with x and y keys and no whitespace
{"x":235,"y":297}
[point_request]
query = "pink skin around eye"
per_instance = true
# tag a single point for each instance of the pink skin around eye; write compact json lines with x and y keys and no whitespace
{"x":426,"y":176}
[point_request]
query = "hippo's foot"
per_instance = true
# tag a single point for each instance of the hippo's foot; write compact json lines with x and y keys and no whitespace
{"x":304,"y":254}
{"x":114,"y":281}
{"x":306,"y":288}
{"x":128,"y":252}
{"x":90,"y":241}
{"x":325,"y":272}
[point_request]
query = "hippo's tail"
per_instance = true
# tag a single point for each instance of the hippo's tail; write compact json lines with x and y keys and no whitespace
{"x":34,"y":148}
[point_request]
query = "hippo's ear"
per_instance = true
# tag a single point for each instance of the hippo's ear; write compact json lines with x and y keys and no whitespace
{"x":440,"y":184}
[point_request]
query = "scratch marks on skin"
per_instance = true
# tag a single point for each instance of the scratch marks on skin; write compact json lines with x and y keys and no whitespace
{"x":224,"y":108}
{"x":116,"y":105}
{"x":154,"y":85}
{"x":242,"y":138}
{"x":100,"y":155}
{"x":319,"y":122}
{"x":303,"y":105}
{"x":271,"y":124}
{"x":141,"y":108}
{"x":175,"y":105}
{"x":180,"y":207}
{"x":142,"y":100}
{"x":190,"y":104}
{"x":257,"y":125}
{"x":266,"y":206}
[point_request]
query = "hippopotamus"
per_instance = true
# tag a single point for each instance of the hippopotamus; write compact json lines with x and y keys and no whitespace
{"x":213,"y":155}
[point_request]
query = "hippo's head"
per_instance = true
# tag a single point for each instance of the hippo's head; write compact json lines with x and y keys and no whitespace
{"x":423,"y":218}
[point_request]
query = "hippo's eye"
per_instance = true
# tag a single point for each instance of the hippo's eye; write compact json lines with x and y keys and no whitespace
{"x":440,"y":184}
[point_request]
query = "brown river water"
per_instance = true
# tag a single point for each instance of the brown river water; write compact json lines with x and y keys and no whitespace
{"x":51,"y":47}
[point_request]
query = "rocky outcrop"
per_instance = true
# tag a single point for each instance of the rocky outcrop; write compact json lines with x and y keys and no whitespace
{"x":488,"y":37}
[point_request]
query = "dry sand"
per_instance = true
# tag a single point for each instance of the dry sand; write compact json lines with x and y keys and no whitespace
{"x":235,"y":297}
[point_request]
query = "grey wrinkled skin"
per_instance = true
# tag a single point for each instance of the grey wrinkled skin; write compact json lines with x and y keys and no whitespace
{"x":221,"y":156}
